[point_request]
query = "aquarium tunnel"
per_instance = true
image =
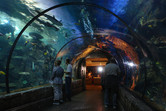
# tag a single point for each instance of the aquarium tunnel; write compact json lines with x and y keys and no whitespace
{"x":35,"y":33}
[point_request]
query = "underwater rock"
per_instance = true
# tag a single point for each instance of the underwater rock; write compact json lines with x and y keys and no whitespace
{"x":160,"y":42}
{"x":19,"y":48}
{"x":41,"y":61}
{"x":10,"y":85}
{"x":4,"y":43}
{"x":18,"y":57}
{"x":24,"y":73}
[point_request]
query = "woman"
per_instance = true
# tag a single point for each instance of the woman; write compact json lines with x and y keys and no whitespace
{"x":57,"y":75}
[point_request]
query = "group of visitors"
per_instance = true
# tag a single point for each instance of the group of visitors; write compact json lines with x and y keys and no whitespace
{"x":58,"y":73}
{"x":109,"y":82}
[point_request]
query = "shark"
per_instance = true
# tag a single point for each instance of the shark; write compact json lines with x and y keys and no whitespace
{"x":45,"y":23}
{"x":52,"y":19}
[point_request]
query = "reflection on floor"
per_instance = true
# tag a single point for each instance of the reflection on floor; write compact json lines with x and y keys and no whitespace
{"x":89,"y":100}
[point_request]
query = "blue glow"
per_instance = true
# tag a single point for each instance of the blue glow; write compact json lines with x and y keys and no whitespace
{"x":118,"y":8}
{"x":80,"y":41}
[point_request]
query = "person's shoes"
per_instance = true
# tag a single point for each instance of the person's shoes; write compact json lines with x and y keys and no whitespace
{"x":106,"y":106}
{"x":56,"y":102}
{"x":114,"y":107}
{"x":61,"y":101}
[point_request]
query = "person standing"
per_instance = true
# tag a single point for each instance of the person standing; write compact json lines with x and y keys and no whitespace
{"x":57,"y":75}
{"x":111,"y":83}
{"x":68,"y":77}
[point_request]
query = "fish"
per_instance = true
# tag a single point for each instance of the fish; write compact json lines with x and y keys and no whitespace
{"x":1,"y":34}
{"x":31,"y":48}
{"x":144,"y":53}
{"x":42,"y":61}
{"x":77,"y":23}
{"x":45,"y":53}
{"x":157,"y":63}
{"x":26,"y":42}
{"x":3,"y":73}
{"x":24,"y":73}
{"x":66,"y":35}
{"x":25,"y":36}
{"x":44,"y":22}
{"x":54,"y":27}
{"x":35,"y":35}
{"x":24,"y":82}
{"x":33,"y":66}
{"x":74,"y":30}
{"x":56,"y":21}
{"x":52,"y":19}
{"x":150,"y":26}
{"x":141,"y":21}
{"x":8,"y":37}
{"x":47,"y":24}
{"x":34,"y":44}
{"x":54,"y":40}
{"x":18,"y":57}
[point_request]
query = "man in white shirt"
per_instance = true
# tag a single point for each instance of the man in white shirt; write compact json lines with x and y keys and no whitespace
{"x":68,"y":77}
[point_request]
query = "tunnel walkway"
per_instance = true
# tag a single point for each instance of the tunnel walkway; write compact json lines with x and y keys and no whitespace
{"x":40,"y":99}
{"x":89,"y":100}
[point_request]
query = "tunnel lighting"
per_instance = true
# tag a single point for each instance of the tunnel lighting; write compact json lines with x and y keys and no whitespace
{"x":131,"y":64}
{"x":100,"y":69}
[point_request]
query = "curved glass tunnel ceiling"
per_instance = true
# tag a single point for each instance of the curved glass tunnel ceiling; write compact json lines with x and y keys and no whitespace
{"x":139,"y":57}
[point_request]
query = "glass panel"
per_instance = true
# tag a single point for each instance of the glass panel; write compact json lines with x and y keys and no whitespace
{"x":141,"y":59}
{"x":31,"y":61}
{"x":10,"y":26}
{"x":151,"y":27}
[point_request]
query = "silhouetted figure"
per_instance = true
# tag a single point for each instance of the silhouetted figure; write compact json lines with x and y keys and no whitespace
{"x":57,"y":75}
{"x":103,"y":79}
{"x":68,"y":77}
{"x":111,"y":83}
